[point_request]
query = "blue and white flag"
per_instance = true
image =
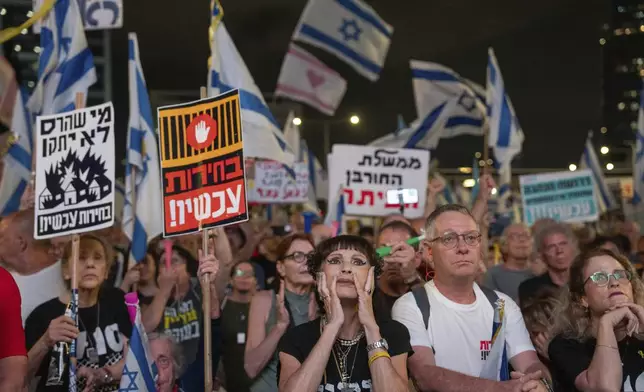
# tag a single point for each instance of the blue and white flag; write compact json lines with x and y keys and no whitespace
{"x":589,"y":160}
{"x":638,"y":162}
{"x":335,"y":214}
{"x":496,"y":367}
{"x":504,"y":192}
{"x":435,"y":84}
{"x":349,"y":29}
{"x":302,"y":154}
{"x":423,"y":134}
{"x":16,"y":173}
{"x":262,"y":135}
{"x":142,"y":220}
{"x":506,"y":135}
{"x":401,"y":124}
{"x":66,"y":64}
{"x":140,"y":371}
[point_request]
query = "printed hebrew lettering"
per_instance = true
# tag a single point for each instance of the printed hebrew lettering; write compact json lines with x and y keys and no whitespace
{"x":87,"y":138}
{"x":349,"y":193}
{"x":402,"y":163}
{"x":381,"y":157}
{"x":365,"y":159}
{"x":384,"y":178}
{"x":105,"y":131}
{"x":105,"y":114}
{"x":369,"y":175}
{"x":364,"y":195}
{"x":171,"y":177}
{"x":47,"y":126}
{"x":357,"y":177}
{"x":80,"y":119}
{"x":414,"y":164}
{"x":397,"y":177}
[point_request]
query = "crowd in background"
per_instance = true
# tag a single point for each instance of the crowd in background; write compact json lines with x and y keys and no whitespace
{"x":295,"y":311}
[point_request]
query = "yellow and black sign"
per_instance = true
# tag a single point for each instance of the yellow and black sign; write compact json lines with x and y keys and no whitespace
{"x":193,"y":132}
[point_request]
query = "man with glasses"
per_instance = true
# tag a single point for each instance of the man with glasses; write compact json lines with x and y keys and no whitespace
{"x":557,"y":245}
{"x":516,"y":247}
{"x":450,"y":320}
{"x":169,"y":360}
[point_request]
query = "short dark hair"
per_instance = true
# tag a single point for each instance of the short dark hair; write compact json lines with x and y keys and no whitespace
{"x":366,"y":230}
{"x":326,"y":247}
{"x":237,"y":264}
{"x":192,"y":264}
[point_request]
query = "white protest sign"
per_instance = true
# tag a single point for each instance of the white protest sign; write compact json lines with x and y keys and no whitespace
{"x":273,"y":184}
{"x":74,"y":172}
{"x":366,"y":174}
{"x":563,"y":196}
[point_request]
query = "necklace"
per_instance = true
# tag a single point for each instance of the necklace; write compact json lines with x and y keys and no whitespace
{"x":342,"y":368}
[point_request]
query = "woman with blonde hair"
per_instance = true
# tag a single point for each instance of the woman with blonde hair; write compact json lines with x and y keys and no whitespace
{"x":598,"y":333}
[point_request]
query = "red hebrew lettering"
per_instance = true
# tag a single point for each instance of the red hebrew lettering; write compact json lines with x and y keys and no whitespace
{"x":349,"y":193}
{"x":203,"y":173}
{"x":236,"y":163}
{"x":218,"y":171}
{"x":364,"y":195}
{"x":171,"y":177}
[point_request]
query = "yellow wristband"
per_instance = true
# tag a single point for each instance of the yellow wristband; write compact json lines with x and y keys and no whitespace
{"x":378,"y":355}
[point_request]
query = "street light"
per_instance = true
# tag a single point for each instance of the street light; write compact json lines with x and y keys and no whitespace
{"x":354,"y":120}
{"x":297,"y":121}
{"x":604,"y":150}
{"x":469,"y":183}
{"x":572,"y":167}
{"x":610,"y":166}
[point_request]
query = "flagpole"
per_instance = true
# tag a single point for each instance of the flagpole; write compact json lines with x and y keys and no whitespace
{"x":205,"y":293}
{"x":486,"y":171}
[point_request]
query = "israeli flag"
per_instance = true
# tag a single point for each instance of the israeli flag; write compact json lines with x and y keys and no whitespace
{"x":16,"y":172}
{"x":66,"y":65}
{"x":349,"y":29}
{"x":589,"y":160}
{"x":335,"y":214}
{"x":140,"y":371}
{"x":506,"y":135}
{"x":504,"y":192}
{"x":262,"y":135}
{"x":142,"y":220}
{"x":435,"y":84}
{"x":423,"y":134}
{"x":638,"y":162}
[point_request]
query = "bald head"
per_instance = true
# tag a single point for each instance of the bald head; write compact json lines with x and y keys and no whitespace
{"x":18,"y":249}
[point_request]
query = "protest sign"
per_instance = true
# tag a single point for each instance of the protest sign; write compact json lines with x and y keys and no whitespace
{"x":74,"y":172}
{"x":202,"y":164}
{"x":562,"y":196}
{"x":273,"y":184}
{"x":366,"y":174}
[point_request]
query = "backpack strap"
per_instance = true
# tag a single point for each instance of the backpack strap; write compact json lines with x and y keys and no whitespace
{"x":422,"y":301}
{"x":490,"y":294}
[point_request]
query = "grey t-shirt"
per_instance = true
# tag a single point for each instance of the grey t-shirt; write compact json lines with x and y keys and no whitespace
{"x":506,"y":280}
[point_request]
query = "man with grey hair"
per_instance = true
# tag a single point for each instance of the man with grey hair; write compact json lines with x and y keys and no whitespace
{"x":169,"y":360}
{"x":516,"y":247}
{"x":450,"y":318}
{"x":557,"y":245}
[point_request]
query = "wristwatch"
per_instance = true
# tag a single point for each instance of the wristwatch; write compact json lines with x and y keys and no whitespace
{"x":382,"y":343}
{"x":107,"y":377}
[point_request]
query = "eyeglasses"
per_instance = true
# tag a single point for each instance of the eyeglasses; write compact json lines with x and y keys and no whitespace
{"x":239,"y":273}
{"x":163,"y":362}
{"x":298,"y":257}
{"x":519,"y":236}
{"x":602,"y":279}
{"x":450,"y":240}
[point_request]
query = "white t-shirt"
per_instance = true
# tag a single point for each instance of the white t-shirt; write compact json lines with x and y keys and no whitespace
{"x":461,"y":334}
{"x":39,"y":288}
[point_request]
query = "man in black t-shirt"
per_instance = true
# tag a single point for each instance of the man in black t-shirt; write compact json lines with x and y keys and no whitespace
{"x":558,"y":247}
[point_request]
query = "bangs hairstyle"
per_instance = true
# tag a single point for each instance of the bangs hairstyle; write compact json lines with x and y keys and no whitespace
{"x":285,"y":244}
{"x":573,"y":320}
{"x":326,"y":247}
{"x":82,"y":242}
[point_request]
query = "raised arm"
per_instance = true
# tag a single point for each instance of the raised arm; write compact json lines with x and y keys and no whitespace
{"x":152,"y":314}
{"x":224,"y":254}
{"x":261,"y":347}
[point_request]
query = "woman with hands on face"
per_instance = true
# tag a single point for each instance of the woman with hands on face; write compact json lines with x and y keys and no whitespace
{"x":598,"y":335}
{"x":345,"y":349}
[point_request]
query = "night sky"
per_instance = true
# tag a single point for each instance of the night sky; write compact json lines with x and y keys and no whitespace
{"x":548,"y":51}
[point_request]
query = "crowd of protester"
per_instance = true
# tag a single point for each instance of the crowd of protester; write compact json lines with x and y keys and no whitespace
{"x":295,"y":311}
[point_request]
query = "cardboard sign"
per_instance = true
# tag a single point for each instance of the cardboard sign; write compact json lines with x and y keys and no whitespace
{"x":274,"y":185}
{"x":366,"y":174}
{"x":74,"y":172}
{"x":562,"y":196}
{"x":202,"y":164}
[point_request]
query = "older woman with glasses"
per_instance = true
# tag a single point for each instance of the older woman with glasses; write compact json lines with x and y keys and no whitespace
{"x":598,"y":335}
{"x":271,"y":315}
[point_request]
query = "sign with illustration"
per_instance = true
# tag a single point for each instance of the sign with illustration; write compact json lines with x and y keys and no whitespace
{"x":74,"y":172}
{"x":202,"y":164}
